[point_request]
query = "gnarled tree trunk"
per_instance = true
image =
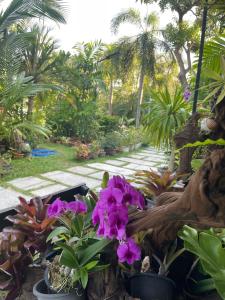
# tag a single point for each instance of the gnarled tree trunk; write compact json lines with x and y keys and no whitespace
{"x":202,"y":204}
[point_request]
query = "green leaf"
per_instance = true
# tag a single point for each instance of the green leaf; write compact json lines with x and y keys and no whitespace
{"x":105,"y":180}
{"x":68,"y":257}
{"x":91,"y":265}
{"x":92,"y":251}
{"x":84,"y":277}
{"x":208,"y":247}
{"x":99,"y":268}
{"x":56,"y":232}
{"x":221,"y":96}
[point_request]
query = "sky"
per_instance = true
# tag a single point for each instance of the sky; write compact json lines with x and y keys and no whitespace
{"x":89,"y":20}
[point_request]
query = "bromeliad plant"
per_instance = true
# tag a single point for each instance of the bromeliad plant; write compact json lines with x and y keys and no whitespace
{"x":155,"y":183}
{"x":79,"y":247}
{"x":20,"y":242}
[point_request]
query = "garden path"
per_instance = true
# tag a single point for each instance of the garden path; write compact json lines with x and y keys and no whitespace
{"x":91,"y":174}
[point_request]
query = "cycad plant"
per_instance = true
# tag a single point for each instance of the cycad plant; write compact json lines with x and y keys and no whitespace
{"x":166,"y":112}
{"x":140,"y":47}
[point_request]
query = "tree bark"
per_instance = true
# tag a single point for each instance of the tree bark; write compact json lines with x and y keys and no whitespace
{"x":30,"y":107}
{"x":183,"y":72}
{"x":140,"y":97}
{"x":201,"y":205}
{"x":111,"y":98}
{"x":189,"y":134}
{"x":172,"y":158}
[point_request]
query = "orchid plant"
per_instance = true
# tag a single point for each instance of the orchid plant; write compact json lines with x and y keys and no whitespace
{"x":111,"y":216}
{"x":77,"y":243}
{"x":81,"y":243}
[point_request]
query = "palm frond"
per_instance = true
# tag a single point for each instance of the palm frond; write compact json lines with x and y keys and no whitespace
{"x":130,"y":15}
{"x":213,"y":51}
{"x":166,"y":113}
{"x":24,"y":9}
{"x":152,"y":20}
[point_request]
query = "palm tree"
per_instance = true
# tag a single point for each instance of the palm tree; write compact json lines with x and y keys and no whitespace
{"x":19,"y":10}
{"x":38,"y":57}
{"x":88,"y":74}
{"x":166,"y":114}
{"x":111,"y":71}
{"x":141,"y":47}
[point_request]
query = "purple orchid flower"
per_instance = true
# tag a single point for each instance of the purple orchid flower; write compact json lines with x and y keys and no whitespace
{"x":57,"y":208}
{"x":110,"y":196}
{"x":128,"y":252}
{"x":187,"y":94}
{"x":77,"y":207}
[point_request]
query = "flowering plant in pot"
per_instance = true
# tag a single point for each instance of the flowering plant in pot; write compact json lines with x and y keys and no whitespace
{"x":79,"y":251}
{"x":111,"y":214}
{"x":152,"y":282}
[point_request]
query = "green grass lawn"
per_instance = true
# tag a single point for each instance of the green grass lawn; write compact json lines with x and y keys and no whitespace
{"x":64,"y":159}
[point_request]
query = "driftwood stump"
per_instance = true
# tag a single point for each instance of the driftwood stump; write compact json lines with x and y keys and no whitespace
{"x":202,"y":204}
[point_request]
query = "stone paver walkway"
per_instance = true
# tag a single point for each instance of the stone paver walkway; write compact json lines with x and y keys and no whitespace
{"x":91,"y":174}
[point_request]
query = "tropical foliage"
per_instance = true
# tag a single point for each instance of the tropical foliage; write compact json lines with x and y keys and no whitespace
{"x":166,"y":112}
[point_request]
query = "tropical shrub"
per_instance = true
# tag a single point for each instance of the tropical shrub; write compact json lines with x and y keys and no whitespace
{"x":111,"y":142}
{"x":131,"y":136}
{"x":95,"y":149}
{"x":66,"y":120}
{"x":82,"y":152}
{"x":109,"y":123}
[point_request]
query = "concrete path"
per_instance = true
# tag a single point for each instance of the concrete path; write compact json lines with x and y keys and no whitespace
{"x":91,"y":174}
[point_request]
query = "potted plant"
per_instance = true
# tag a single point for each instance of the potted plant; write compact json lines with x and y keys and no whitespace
{"x":150,"y":284}
{"x":78,"y":250}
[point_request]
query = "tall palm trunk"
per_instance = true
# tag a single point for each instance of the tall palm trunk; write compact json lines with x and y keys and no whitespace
{"x":111,"y":98}
{"x":30,"y":107}
{"x":140,"y":97}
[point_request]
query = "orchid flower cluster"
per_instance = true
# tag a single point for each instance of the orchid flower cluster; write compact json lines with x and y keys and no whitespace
{"x":187,"y":94}
{"x":59,"y":207}
{"x":111,"y":214}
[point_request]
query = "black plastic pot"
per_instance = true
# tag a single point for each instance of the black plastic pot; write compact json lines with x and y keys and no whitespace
{"x":149,"y":286}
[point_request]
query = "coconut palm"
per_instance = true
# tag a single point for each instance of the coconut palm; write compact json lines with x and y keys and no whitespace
{"x":141,"y":47}
{"x":166,"y":114}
